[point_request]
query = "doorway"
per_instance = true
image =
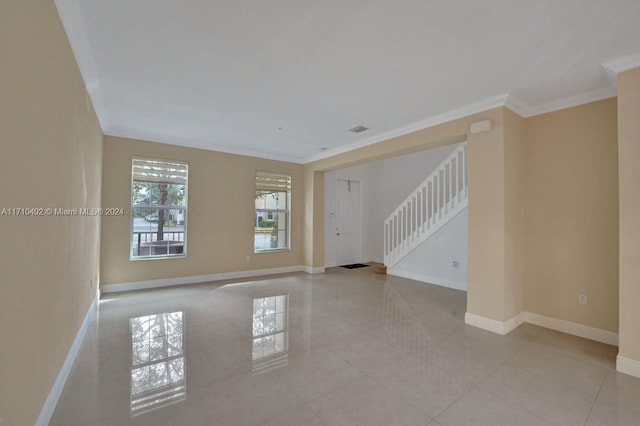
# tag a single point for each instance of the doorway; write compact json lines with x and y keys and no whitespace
{"x":348,"y":221}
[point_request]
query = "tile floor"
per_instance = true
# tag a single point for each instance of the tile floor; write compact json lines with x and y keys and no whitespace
{"x":347,"y":347}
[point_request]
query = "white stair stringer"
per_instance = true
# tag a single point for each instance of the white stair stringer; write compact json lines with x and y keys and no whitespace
{"x":437,"y":200}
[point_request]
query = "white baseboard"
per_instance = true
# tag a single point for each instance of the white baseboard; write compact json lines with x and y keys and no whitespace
{"x":194,"y":279}
{"x":49,"y":406}
{"x":628,"y":366}
{"x":515,"y":322}
{"x":494,"y":326}
{"x":457,"y":285}
{"x":580,"y":330}
{"x":313,"y":269}
{"x":575,"y":329}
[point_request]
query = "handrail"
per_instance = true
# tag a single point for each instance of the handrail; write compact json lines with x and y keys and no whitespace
{"x":439,"y":198}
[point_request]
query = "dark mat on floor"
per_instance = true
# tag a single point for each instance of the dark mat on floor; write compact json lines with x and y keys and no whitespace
{"x":354,"y":266}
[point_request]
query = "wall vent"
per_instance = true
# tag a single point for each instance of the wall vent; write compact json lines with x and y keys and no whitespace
{"x":358,"y":129}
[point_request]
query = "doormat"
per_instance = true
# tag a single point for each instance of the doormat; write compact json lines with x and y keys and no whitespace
{"x":354,"y":266}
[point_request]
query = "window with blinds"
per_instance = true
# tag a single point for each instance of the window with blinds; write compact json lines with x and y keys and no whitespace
{"x":272,"y":217}
{"x":158,"y":208}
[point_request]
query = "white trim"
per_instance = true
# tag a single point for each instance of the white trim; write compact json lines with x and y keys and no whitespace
{"x":492,"y":325}
{"x":514,"y":322}
{"x":166,"y":282}
{"x":628,"y":366}
{"x":187,"y":142}
{"x":456,"y":285}
{"x":572,"y":101}
{"x":455,"y":114}
{"x":448,"y":217}
{"x":573,"y":328}
{"x":313,"y":269}
{"x":49,"y":406}
{"x":622,"y":64}
{"x":526,"y":110}
{"x":507,"y":100}
{"x":518,"y":106}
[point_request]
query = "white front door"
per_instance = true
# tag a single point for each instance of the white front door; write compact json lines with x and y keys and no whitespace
{"x":348,"y":222}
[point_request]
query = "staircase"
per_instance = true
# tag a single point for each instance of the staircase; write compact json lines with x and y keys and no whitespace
{"x":437,"y":200}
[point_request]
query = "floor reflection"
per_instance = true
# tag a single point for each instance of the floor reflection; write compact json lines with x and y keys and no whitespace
{"x":270,"y":333}
{"x":400,"y":322}
{"x":157,"y":362}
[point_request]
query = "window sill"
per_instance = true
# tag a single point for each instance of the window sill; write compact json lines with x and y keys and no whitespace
{"x":271,"y":250}
{"x":135,"y":259}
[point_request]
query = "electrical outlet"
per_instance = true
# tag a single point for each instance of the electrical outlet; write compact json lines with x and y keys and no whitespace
{"x":248,"y":258}
{"x":455,"y":264}
{"x":582,"y":299}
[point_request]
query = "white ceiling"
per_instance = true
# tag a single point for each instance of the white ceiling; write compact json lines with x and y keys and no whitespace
{"x":285,"y":78}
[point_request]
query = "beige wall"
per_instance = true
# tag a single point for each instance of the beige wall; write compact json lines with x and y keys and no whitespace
{"x":572,"y":214}
{"x":221,"y":213}
{"x":51,"y":157}
{"x":629,"y":178}
{"x":486,"y":278}
{"x":313,"y":218}
{"x":514,"y":214}
{"x":496,"y":219}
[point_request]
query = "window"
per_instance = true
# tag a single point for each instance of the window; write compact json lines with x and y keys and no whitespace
{"x":158,"y":208}
{"x":273,"y":200}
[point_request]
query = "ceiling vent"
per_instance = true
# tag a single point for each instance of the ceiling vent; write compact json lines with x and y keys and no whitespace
{"x":358,"y":129}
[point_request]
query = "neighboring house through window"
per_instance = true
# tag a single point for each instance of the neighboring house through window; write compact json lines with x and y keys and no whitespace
{"x":158,"y":208}
{"x":272,"y":203}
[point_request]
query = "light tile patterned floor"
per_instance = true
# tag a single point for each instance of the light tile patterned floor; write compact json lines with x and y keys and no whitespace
{"x":347,"y":347}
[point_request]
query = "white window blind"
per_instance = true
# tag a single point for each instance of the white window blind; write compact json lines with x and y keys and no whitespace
{"x":145,"y":170}
{"x":267,"y":181}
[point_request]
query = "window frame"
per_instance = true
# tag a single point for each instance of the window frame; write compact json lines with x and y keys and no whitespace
{"x":158,"y":207}
{"x":286,"y":212}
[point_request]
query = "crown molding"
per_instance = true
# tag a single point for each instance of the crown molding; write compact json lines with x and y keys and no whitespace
{"x":507,"y":100}
{"x":455,"y":114}
{"x":71,"y":17}
{"x":571,"y":101}
{"x":515,"y":104}
{"x":624,"y":63}
{"x":137,"y":134}
{"x":518,"y":106}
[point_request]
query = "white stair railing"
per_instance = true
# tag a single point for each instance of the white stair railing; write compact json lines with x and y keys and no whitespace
{"x":437,"y":200}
